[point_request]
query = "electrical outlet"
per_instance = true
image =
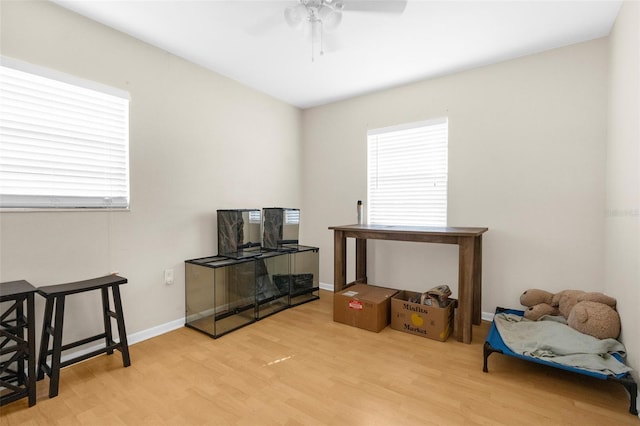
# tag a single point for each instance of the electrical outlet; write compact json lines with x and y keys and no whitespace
{"x":168,"y":276}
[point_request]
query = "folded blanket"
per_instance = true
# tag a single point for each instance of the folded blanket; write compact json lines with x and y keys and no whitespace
{"x":553,"y":341}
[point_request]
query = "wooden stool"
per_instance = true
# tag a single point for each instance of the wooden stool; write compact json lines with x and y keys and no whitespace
{"x":55,"y":295}
{"x":14,"y":348}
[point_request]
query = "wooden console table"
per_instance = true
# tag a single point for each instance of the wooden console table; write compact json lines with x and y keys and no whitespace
{"x":470,"y":261}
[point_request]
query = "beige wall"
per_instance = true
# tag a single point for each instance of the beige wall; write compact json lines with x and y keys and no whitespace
{"x":199,"y":142}
{"x":622,"y":218}
{"x":526,"y":159}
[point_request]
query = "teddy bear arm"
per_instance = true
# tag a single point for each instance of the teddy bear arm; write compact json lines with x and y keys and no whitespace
{"x":597,"y":297}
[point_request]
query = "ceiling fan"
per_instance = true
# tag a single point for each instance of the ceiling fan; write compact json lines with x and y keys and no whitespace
{"x":316,"y":16}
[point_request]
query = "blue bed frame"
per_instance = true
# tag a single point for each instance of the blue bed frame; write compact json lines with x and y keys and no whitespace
{"x":494,"y":343}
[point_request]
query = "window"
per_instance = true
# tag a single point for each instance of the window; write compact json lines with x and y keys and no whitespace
{"x":407,"y":174}
{"x":64,"y":142}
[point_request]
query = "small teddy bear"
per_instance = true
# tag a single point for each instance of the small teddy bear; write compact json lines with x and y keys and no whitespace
{"x":591,"y":313}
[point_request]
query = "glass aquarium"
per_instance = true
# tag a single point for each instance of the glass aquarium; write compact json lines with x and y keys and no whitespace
{"x":272,"y":295}
{"x":223,"y":294}
{"x":239,"y":232}
{"x":220,"y":294}
{"x":304,"y":270}
{"x":280,"y":226}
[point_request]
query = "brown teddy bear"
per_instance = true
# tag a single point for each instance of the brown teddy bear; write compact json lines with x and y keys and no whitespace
{"x":591,"y":313}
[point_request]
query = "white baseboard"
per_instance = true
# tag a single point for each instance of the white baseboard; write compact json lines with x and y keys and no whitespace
{"x":132,"y":338}
{"x":325,"y":286}
{"x":155,"y":331}
{"x":487,"y":316}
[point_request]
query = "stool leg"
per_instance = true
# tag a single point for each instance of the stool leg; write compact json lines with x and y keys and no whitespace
{"x":20,"y":334}
{"x":108,"y":338}
{"x":124,"y":346}
{"x":57,"y":347}
{"x":44,"y":340}
{"x":31,"y":361}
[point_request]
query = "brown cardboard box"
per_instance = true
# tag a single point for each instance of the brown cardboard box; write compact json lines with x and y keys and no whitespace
{"x":426,"y":321}
{"x":363,"y":306}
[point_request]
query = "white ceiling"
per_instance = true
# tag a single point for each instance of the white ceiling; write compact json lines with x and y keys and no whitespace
{"x":250,"y":42}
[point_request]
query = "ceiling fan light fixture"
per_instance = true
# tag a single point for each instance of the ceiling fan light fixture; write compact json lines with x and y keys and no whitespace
{"x":296,"y":15}
{"x":316,"y":16}
{"x":330,"y":17}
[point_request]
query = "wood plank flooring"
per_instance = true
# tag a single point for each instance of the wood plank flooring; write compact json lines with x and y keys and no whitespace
{"x":298,"y":367}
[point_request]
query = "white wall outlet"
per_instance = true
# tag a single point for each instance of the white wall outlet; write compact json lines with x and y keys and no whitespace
{"x":168,"y":276}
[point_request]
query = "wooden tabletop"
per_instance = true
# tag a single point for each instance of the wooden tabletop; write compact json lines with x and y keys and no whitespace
{"x":425,"y":230}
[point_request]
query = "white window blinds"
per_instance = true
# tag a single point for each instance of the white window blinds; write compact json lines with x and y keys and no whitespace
{"x":407,"y":174}
{"x":62,"y":144}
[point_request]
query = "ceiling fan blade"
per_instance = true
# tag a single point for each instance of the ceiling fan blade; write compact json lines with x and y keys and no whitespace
{"x":380,"y":6}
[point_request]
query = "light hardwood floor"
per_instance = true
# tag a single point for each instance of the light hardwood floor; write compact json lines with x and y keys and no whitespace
{"x":298,"y":367}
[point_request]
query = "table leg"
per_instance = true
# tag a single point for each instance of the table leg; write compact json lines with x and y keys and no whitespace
{"x":361,"y":260}
{"x":477,"y":280}
{"x":339,"y":260}
{"x":465,"y":289}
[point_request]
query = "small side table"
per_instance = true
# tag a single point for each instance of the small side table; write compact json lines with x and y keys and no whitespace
{"x":14,"y":348}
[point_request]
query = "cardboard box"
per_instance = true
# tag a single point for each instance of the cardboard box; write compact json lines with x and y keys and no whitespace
{"x":422,"y":320}
{"x":363,"y":306}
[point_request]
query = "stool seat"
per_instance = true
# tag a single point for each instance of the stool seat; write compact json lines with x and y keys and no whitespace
{"x":53,"y":325}
{"x":80,"y":286}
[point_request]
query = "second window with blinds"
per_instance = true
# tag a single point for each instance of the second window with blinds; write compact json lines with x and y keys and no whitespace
{"x":407,"y":174}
